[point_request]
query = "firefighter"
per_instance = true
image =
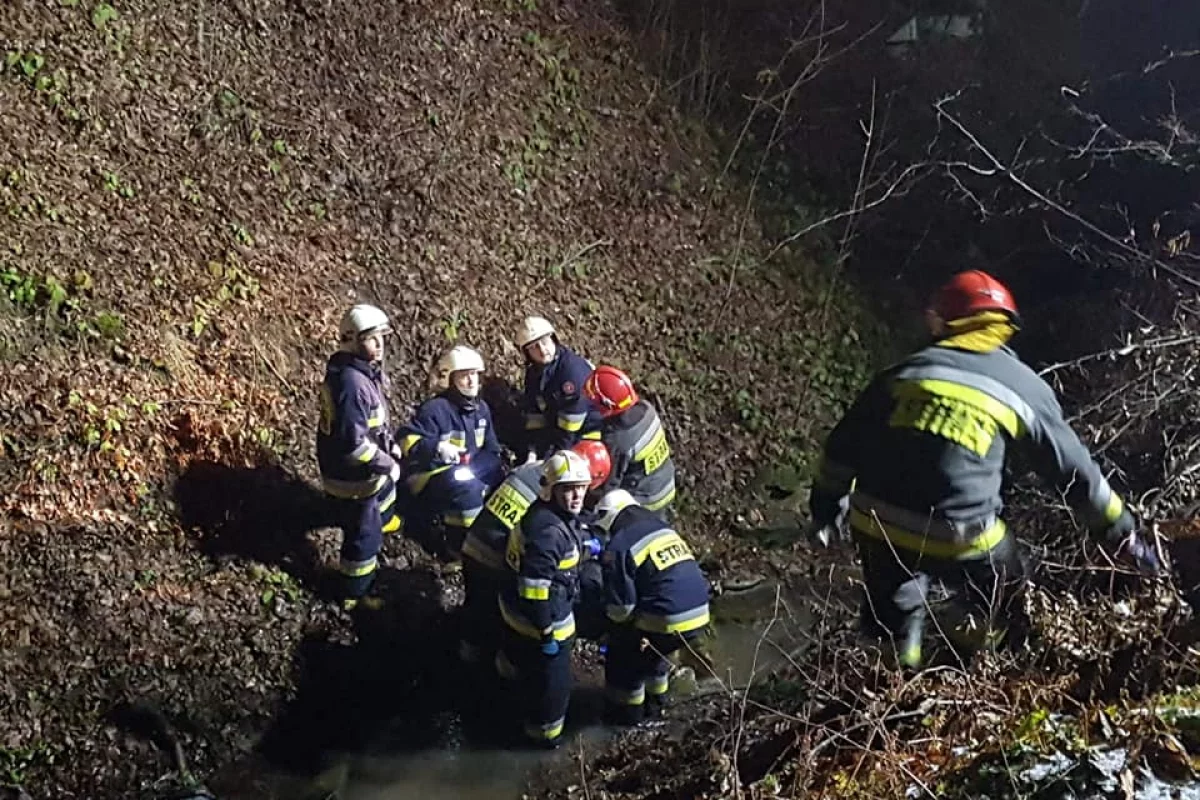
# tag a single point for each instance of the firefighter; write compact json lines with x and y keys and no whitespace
{"x":634,"y":435}
{"x":656,"y":600}
{"x":556,"y":413}
{"x":536,"y":604}
{"x":484,"y":567}
{"x":355,"y":451}
{"x":921,"y":454}
{"x":451,"y":451}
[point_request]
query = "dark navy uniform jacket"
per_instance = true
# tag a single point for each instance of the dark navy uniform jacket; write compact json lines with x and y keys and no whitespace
{"x":543,"y":555}
{"x":554,"y":404}
{"x":651,"y":577}
{"x":447,"y":417}
{"x":353,"y":438}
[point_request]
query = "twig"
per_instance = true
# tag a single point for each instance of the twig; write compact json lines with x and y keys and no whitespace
{"x":1006,"y":171}
{"x":1123,"y":350}
{"x":287,"y":386}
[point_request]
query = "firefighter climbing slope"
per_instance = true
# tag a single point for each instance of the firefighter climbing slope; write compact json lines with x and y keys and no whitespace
{"x":556,"y":413}
{"x":450,"y":449}
{"x":355,"y":454}
{"x":921,"y":453}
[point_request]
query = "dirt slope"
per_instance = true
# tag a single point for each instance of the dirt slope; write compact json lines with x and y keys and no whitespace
{"x":194,"y":193}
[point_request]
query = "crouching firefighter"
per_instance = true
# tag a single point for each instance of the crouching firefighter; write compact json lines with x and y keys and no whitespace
{"x":923,"y":448}
{"x":656,"y":601}
{"x":355,"y":452}
{"x":451,"y":451}
{"x":543,"y":554}
{"x":634,"y":435}
{"x":556,"y":413}
{"x":483,"y":552}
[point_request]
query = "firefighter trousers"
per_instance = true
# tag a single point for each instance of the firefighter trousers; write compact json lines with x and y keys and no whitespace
{"x":542,"y":683}
{"x":637,"y":672}
{"x":363,"y":522}
{"x":897,"y":583}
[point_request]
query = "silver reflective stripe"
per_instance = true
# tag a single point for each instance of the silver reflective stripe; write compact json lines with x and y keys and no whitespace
{"x":363,"y":453}
{"x":356,"y":569}
{"x":641,"y":544}
{"x":645,"y":431}
{"x":664,"y":623}
{"x":974,"y":380}
{"x":662,"y":494}
{"x":934,"y":527}
{"x":353,"y":490}
{"x":377,"y":417}
{"x":388,"y":500}
{"x":525,"y":481}
{"x":619,"y":613}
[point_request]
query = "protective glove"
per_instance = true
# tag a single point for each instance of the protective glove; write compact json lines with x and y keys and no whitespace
{"x":394,"y":472}
{"x":532,"y":457}
{"x":449,"y":453}
{"x":823,"y":534}
{"x":594,"y":546}
{"x":550,"y":647}
{"x":1123,"y":538}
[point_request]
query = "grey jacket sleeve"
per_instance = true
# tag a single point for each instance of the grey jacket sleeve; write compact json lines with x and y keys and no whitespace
{"x":1061,"y":458}
{"x":842,"y":454}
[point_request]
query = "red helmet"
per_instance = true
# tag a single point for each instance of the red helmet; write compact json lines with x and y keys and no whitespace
{"x":610,"y":390}
{"x":972,"y":292}
{"x":596,"y":455}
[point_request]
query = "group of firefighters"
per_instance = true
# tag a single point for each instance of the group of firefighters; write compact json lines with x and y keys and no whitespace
{"x":576,"y":538}
{"x":579,"y":523}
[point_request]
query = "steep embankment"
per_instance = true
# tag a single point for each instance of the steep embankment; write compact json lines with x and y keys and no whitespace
{"x":194,"y":193}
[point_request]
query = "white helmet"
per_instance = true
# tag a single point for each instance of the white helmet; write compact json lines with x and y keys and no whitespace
{"x":361,"y":321}
{"x":564,"y":467}
{"x":457,"y":358}
{"x":612,"y":504}
{"x":531,"y":329}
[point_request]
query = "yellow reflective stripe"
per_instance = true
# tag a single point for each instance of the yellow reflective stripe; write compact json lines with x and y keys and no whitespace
{"x":656,"y":440}
{"x":1115,"y":506}
{"x":364,"y":452}
{"x":417,"y":483}
{"x":572,"y":560}
{"x":626,"y":697}
{"x":409,"y":442}
{"x":571,"y":423}
{"x":356,"y":569}
{"x":548,"y":731}
{"x":562,"y":630}
{"x":388,"y":501}
{"x":1003,"y":414}
{"x":683,"y":622}
{"x":594,"y":436}
{"x":922,"y":543}
{"x":377,"y":417}
{"x":392,"y":525}
{"x":353,"y":490}
{"x":458,"y":439}
{"x":658,"y":685}
{"x":533,"y":588}
{"x":642,"y":549}
{"x":508,"y":505}
{"x":461,"y":519}
{"x":661,"y":503}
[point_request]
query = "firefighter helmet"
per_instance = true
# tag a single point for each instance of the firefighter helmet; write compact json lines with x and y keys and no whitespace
{"x":565,"y":467}
{"x":456,"y":359}
{"x":970,"y":293}
{"x":610,"y":390}
{"x":599,"y":462}
{"x":362,"y":321}
{"x":612,"y":504}
{"x":531,"y":329}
